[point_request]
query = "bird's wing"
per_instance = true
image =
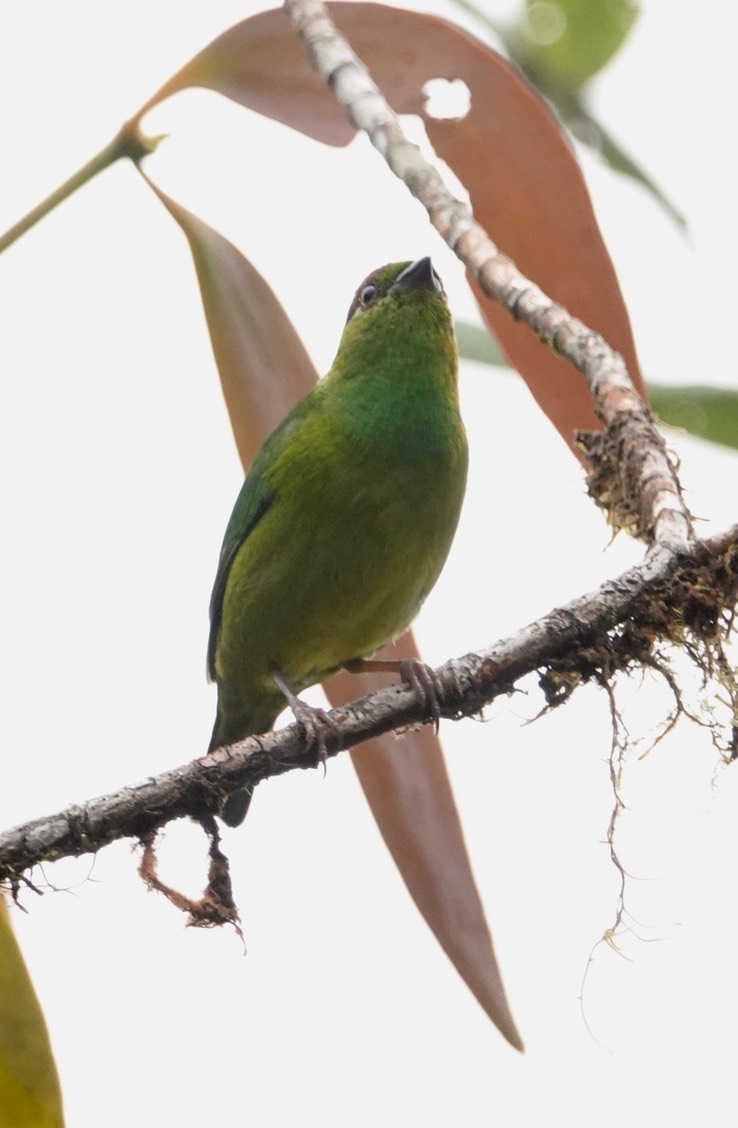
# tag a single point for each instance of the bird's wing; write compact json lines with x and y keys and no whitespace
{"x":255,"y":499}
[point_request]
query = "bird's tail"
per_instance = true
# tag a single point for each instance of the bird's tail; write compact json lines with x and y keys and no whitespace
{"x":236,"y":806}
{"x":229,"y":728}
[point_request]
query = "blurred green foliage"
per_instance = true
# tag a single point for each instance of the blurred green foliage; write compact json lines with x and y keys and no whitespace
{"x":711,"y":413}
{"x":708,"y":412}
{"x":560,"y":45}
{"x":567,"y":42}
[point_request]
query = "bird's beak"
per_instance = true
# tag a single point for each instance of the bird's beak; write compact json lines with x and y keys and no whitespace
{"x":419,"y":275}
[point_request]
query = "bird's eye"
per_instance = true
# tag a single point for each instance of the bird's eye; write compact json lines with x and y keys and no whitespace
{"x":367,"y":296}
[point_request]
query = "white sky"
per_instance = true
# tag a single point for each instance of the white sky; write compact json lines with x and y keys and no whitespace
{"x":118,"y":475}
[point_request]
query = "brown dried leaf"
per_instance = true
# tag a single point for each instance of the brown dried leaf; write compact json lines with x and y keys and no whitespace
{"x":264,"y":370}
{"x":263,"y":365}
{"x":509,"y":151}
{"x":409,"y":792}
{"x":259,"y":64}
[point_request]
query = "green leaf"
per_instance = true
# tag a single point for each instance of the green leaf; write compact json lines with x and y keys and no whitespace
{"x":589,"y":131}
{"x":560,"y":71}
{"x":477,"y":344}
{"x":711,"y":413}
{"x":29,"y":1087}
{"x":566,"y":42}
{"x":708,"y":412}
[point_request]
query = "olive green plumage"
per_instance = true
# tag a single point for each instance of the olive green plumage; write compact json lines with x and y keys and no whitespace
{"x":348,"y":511}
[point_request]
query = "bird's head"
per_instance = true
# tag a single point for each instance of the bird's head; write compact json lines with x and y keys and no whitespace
{"x":393,"y":282}
{"x":399,"y":317}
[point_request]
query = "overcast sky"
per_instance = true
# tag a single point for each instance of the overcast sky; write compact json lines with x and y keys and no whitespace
{"x":119,"y":475}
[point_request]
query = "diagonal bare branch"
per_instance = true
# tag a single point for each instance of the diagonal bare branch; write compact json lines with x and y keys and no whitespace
{"x":647,"y":496}
{"x":589,"y":638}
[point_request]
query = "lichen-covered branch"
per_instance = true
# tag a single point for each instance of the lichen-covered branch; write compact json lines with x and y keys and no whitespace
{"x":680,"y":598}
{"x":646,"y":481}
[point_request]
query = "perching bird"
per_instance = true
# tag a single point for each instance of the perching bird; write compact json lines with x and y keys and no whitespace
{"x":346,"y":515}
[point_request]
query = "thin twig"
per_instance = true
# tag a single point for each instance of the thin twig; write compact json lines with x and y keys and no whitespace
{"x":128,"y":142}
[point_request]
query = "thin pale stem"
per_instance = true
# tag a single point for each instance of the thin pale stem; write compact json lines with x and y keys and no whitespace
{"x":128,"y":142}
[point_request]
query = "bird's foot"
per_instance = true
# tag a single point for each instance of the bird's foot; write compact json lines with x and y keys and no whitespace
{"x":321,"y":731}
{"x":421,"y":677}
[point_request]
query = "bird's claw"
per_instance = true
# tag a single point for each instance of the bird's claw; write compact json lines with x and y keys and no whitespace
{"x":426,"y":684}
{"x":316,"y":723}
{"x":321,"y":731}
{"x":422,"y":678}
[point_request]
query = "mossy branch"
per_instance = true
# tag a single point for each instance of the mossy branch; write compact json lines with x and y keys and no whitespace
{"x":684,"y":598}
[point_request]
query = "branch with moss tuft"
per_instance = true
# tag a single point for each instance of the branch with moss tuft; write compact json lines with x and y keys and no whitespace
{"x":686,"y":598}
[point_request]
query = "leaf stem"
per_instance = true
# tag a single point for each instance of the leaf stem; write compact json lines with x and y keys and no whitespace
{"x":128,"y":142}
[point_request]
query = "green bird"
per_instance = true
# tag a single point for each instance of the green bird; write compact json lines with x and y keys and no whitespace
{"x":347,"y":513}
